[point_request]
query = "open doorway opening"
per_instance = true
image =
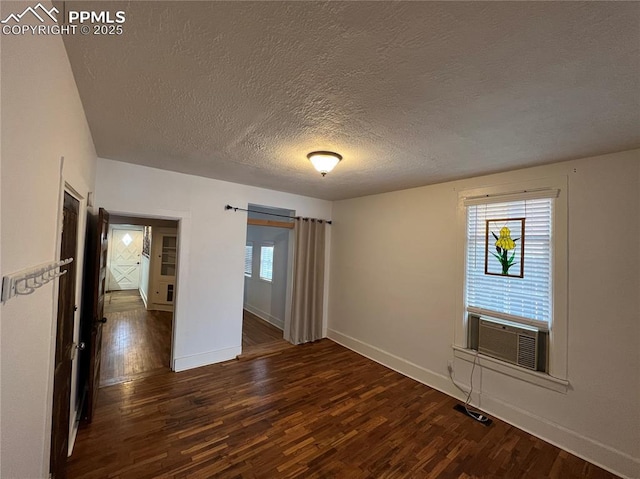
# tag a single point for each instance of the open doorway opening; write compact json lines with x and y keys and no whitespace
{"x":141,"y":284}
{"x":267,"y":274}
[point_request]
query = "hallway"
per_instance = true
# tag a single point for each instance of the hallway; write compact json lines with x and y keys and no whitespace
{"x":136,"y":343}
{"x":260,"y":338}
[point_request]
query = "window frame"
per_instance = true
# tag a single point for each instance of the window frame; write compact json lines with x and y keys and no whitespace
{"x":271,"y":245}
{"x":250,"y":273}
{"x":558,"y":339}
{"x":479,"y":278}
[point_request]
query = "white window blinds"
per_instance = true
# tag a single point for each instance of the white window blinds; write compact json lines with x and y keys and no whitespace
{"x":528,"y":298}
{"x":266,"y":263}
{"x":248,"y":259}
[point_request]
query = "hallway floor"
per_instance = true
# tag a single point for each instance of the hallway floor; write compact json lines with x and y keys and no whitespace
{"x":260,"y":338}
{"x":136,"y":342}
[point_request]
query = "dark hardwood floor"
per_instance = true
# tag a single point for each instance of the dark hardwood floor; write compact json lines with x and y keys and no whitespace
{"x":136,"y":342}
{"x":257,"y":331}
{"x":311,"y":411}
{"x":260,"y":338}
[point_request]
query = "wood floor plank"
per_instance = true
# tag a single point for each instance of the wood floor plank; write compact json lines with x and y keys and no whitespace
{"x":312,"y":411}
{"x":260,"y":338}
{"x":256,"y":330}
{"x":135,"y":342}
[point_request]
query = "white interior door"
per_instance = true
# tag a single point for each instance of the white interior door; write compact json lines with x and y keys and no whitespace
{"x":124,"y":267}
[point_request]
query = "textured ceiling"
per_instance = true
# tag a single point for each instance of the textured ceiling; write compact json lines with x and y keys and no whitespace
{"x":409,"y":93}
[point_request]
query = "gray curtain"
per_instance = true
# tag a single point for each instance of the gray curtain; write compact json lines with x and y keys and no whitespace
{"x":308,"y":282}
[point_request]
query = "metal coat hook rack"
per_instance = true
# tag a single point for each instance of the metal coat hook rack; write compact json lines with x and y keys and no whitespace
{"x":28,"y":280}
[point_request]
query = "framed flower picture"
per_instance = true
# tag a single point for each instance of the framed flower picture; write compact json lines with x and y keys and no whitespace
{"x":504,"y":247}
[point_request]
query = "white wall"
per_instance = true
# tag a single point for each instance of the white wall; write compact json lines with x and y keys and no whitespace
{"x":210,"y":283}
{"x":268,"y":299}
{"x":42,"y":120}
{"x":401,"y":308}
{"x":144,"y":279}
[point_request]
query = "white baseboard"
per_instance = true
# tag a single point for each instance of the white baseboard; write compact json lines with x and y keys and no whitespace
{"x":160,"y":307}
{"x":277,"y":322}
{"x":436,"y":381}
{"x":144,"y":298}
{"x":571,"y":441}
{"x":204,"y":359}
{"x":72,"y":438}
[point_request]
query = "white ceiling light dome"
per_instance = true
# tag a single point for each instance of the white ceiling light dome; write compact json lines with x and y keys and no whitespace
{"x":324,"y":161}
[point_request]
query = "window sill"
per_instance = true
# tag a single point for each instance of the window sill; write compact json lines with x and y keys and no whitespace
{"x":533,"y":377}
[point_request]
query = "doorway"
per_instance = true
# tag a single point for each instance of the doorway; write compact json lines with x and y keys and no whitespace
{"x":267,"y":275}
{"x":139,"y":306}
{"x":64,"y":352}
{"x":125,"y":251}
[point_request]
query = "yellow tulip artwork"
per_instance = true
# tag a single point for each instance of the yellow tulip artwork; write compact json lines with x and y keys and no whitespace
{"x":505,"y":241}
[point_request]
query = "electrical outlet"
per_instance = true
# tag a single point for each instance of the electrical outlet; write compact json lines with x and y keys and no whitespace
{"x":450,"y":365}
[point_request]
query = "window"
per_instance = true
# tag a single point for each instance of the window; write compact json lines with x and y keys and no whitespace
{"x":248,"y":259}
{"x":526,"y":299}
{"x":266,"y":262}
{"x":539,"y":297}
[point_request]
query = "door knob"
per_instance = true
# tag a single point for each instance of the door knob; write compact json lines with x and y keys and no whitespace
{"x":103,"y":320}
{"x":81,"y":346}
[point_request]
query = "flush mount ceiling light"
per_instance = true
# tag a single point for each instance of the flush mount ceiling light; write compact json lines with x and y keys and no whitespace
{"x":324,"y":161}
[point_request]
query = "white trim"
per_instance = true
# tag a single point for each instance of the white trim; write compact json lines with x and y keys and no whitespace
{"x":144,"y":298}
{"x":530,"y":376}
{"x":542,"y":325}
{"x":72,"y":191}
{"x":204,"y":359}
{"x":512,"y":196}
{"x":571,"y":441}
{"x":425,"y":376}
{"x":266,"y":244}
{"x":168,"y":308}
{"x":180,"y":304}
{"x":277,"y":322}
{"x":250,"y":273}
{"x":286,"y":329}
{"x":67,"y":187}
{"x":584,"y":447}
{"x":118,"y":226}
{"x":558,"y":337}
{"x":72,"y":437}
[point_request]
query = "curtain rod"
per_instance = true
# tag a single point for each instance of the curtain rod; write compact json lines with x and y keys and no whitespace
{"x":297,"y":218}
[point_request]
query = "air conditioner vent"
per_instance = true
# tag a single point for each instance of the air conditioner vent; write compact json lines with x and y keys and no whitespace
{"x":513,"y":342}
{"x":498,"y":341}
{"x":527,"y":351}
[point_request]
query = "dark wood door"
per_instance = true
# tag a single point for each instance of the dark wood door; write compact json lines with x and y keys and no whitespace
{"x":96,"y":274}
{"x":64,"y":340}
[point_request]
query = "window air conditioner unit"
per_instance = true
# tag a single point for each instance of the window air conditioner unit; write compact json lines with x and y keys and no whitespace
{"x":514,"y":343}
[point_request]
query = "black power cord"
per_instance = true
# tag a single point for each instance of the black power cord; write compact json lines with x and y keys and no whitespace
{"x":465,"y":409}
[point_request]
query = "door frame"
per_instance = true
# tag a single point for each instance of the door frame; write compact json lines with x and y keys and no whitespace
{"x":180,"y":306}
{"x":65,"y":347}
{"x":66,"y":187}
{"x":110,"y":249}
